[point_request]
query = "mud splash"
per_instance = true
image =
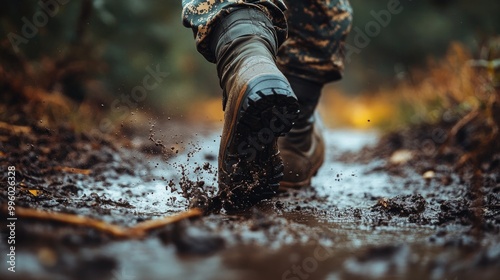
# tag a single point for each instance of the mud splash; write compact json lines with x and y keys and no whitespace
{"x":358,"y":220}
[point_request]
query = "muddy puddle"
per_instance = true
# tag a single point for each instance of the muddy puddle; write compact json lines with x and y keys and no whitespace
{"x":357,"y":221}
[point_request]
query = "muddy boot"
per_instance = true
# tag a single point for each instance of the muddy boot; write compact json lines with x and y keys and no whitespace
{"x":259,"y":107}
{"x":303,"y":148}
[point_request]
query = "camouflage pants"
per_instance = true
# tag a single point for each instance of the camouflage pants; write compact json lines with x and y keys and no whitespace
{"x":316,"y":32}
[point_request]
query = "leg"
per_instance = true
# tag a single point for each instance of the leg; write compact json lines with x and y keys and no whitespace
{"x":258,"y":100}
{"x":311,"y":57}
{"x":204,"y":16}
{"x":317,"y":31}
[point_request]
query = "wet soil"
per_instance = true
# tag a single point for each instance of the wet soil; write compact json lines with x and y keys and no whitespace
{"x":380,"y":207}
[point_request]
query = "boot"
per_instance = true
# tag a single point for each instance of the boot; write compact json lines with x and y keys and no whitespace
{"x":303,"y":148}
{"x":259,"y":106}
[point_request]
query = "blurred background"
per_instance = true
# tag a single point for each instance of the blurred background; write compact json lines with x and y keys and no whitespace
{"x":94,"y":52}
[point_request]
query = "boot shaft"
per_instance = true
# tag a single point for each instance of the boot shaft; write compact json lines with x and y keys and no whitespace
{"x":245,"y":46}
{"x":308,"y":94}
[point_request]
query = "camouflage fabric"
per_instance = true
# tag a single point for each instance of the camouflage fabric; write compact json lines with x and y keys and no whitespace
{"x":316,"y":32}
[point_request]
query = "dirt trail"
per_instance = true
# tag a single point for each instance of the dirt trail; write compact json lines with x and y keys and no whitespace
{"x":360,"y":219}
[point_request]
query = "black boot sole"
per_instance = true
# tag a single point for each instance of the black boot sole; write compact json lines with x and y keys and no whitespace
{"x":254,"y":169}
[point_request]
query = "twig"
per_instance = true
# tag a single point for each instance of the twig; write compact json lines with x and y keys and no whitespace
{"x":136,"y":231}
{"x":72,"y":220}
{"x":459,"y":125}
{"x":73,"y":170}
{"x":462,"y":122}
{"x":464,"y":159}
{"x":141,"y":228}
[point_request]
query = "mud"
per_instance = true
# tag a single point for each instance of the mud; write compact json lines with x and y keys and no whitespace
{"x":366,"y":215}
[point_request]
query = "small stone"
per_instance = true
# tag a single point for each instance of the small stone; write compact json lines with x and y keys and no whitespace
{"x":401,"y":157}
{"x":429,"y":174}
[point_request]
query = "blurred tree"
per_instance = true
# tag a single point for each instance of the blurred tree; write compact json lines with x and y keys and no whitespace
{"x":423,"y":29}
{"x":97,"y":47}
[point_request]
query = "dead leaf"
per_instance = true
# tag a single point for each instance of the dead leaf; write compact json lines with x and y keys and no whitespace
{"x":35,"y":192}
{"x":383,"y":202}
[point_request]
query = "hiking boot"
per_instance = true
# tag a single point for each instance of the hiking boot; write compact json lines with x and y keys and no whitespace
{"x":303,"y":148}
{"x":259,"y":107}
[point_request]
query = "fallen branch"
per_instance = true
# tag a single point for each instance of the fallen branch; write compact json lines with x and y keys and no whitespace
{"x":137,"y":231}
{"x":71,"y":220}
{"x":142,"y":228}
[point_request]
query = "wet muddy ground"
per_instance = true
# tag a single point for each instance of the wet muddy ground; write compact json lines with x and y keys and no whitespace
{"x":370,"y":212}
